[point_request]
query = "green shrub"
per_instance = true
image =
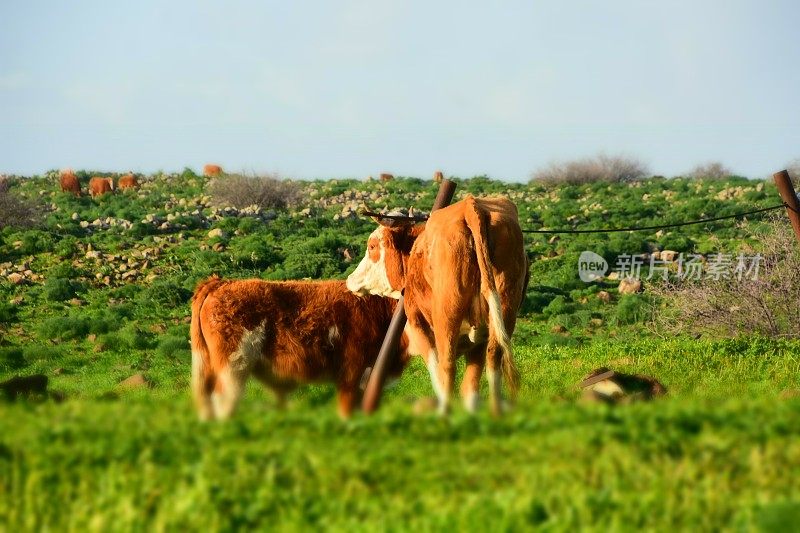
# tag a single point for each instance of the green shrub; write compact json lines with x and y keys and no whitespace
{"x":11,"y":358}
{"x":539,"y":297}
{"x":8,"y":312}
{"x":64,"y":328}
{"x":67,"y":247}
{"x":178,"y":330}
{"x":35,"y":242}
{"x":256,"y":251}
{"x":630,"y":309}
{"x":172,"y":346}
{"x":677,"y":242}
{"x":112,"y":342}
{"x":77,"y":326}
{"x":166,"y":293}
{"x":37,"y":352}
{"x":136,"y":338}
{"x":558,"y":306}
{"x":60,"y":289}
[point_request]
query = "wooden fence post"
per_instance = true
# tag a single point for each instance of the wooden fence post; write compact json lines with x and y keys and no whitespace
{"x":372,"y":394}
{"x":789,"y":197}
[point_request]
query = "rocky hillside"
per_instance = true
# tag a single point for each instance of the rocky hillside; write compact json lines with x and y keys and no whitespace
{"x":121,"y":267}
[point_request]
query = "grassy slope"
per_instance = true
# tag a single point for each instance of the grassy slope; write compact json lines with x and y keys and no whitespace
{"x":717,"y":452}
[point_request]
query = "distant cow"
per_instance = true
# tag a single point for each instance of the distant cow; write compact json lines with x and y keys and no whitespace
{"x":128,"y":181}
{"x":212,"y":171}
{"x":98,"y":186}
{"x":463,"y":274}
{"x":69,"y":182}
{"x":386,"y":177}
{"x":285,"y":334}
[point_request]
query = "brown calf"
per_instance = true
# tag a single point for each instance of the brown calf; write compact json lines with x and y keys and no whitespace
{"x":284,"y":334}
{"x":98,"y":186}
{"x":69,"y":182}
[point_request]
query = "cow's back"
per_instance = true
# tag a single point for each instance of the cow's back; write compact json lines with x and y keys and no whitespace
{"x":312,"y":331}
{"x":444,"y":257}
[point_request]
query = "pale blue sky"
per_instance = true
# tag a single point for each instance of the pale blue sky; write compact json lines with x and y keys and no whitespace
{"x":352,"y":88}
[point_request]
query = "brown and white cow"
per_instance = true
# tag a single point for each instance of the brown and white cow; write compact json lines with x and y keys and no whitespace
{"x":284,"y":334}
{"x":98,"y":186}
{"x":463,"y":275}
{"x":128,"y":181}
{"x":69,"y":182}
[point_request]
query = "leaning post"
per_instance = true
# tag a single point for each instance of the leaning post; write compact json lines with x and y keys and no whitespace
{"x":372,"y":394}
{"x":789,"y":196}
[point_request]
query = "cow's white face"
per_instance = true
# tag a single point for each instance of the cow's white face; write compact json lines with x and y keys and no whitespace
{"x":371,"y":277}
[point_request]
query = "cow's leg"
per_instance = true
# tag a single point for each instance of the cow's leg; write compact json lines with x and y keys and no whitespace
{"x":445,"y":350}
{"x":202,"y":385}
{"x":471,"y":383}
{"x":447,"y":314}
{"x":346,"y":399}
{"x":227,"y":391}
{"x":232,"y":377}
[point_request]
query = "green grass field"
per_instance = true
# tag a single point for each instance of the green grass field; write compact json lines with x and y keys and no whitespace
{"x":720,"y":452}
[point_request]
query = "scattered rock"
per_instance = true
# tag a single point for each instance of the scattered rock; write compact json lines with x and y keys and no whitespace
{"x":604,"y":296}
{"x":218,"y":247}
{"x":16,"y":278}
{"x":135,"y":381}
{"x":216,"y":233}
{"x":91,"y":337}
{"x":558,"y":328}
{"x":630,"y":286}
{"x":669,"y":255}
{"x":76,"y":302}
{"x":609,"y":386}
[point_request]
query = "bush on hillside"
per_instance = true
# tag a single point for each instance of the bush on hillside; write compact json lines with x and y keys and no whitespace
{"x":15,"y":212}
{"x":711,"y":171}
{"x":733,"y":306}
{"x":267,"y":192}
{"x":611,"y":169}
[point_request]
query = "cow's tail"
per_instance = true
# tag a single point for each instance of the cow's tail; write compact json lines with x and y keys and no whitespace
{"x":203,"y":376}
{"x":477,"y":224}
